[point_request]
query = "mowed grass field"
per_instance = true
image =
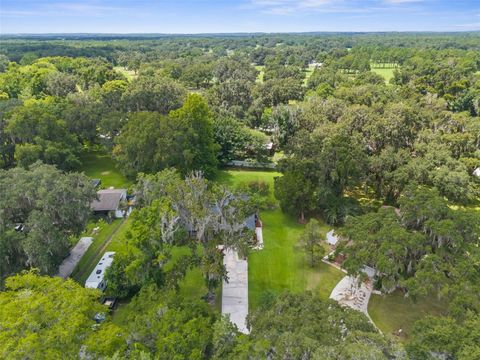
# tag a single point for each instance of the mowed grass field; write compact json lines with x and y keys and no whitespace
{"x":281,"y":264}
{"x":308,"y":72}
{"x":386,"y":73}
{"x":129,"y":74}
{"x":384,"y":70}
{"x":98,"y":165}
{"x":394,"y":312}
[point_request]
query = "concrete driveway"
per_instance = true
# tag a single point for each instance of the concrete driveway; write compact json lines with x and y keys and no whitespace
{"x":235,"y":291}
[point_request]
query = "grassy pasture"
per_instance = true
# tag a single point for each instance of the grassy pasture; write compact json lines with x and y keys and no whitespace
{"x":384,"y":69}
{"x":99,"y":165}
{"x":394,"y":311}
{"x":129,"y":74}
{"x":386,"y":73}
{"x":281,"y":265}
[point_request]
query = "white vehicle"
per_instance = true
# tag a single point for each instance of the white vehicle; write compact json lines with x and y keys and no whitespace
{"x":96,"y":279}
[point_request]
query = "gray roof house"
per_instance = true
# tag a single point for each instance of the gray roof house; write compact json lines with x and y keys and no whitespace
{"x":108,"y":200}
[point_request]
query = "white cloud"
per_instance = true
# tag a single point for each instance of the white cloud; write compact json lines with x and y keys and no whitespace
{"x":73,"y":8}
{"x":83,"y":7}
{"x":396,"y":2}
{"x":471,"y":26}
{"x":286,"y":7}
{"x":289,"y":6}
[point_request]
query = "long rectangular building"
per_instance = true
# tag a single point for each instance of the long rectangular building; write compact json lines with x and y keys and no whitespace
{"x":96,"y":279}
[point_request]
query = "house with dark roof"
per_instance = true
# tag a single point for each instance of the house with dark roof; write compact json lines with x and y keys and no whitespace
{"x":109,"y":202}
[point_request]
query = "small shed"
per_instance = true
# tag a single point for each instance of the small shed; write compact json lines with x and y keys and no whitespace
{"x":476,"y":172}
{"x":332,"y":239}
{"x":96,"y":280}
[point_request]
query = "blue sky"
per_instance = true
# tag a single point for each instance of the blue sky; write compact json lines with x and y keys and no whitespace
{"x":202,"y":16}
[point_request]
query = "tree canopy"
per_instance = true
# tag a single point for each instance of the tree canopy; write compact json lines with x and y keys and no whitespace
{"x":41,"y":209}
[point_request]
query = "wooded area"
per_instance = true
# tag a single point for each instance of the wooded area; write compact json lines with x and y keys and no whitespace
{"x":374,"y":135}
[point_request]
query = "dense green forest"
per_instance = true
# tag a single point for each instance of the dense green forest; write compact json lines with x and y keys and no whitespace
{"x":374,"y":134}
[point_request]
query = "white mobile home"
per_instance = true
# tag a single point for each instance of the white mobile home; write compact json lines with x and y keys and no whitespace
{"x":96,"y":279}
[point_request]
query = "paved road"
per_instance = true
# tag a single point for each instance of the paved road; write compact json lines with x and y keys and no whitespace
{"x":235,"y":291}
{"x":67,"y":266}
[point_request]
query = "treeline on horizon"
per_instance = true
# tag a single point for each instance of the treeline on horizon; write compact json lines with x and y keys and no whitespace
{"x":101,"y":45}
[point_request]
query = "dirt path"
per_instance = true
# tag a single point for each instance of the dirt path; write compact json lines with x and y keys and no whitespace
{"x":100,"y":250}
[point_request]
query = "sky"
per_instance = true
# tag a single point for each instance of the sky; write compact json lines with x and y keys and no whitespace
{"x":227,"y":16}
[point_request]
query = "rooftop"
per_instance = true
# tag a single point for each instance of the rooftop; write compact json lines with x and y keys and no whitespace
{"x":98,"y":273}
{"x":108,"y":199}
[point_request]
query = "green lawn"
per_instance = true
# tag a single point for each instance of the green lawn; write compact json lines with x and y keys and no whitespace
{"x":119,"y":240}
{"x":261,"y":72}
{"x":98,"y":165}
{"x":387,"y":73}
{"x":281,"y":264}
{"x":308,"y":72}
{"x":92,"y":255}
{"x":234,"y":178}
{"x":129,"y":74}
{"x":393,"y":312}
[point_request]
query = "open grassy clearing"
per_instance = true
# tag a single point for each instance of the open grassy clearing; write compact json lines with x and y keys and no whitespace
{"x":234,"y":178}
{"x":308,"y":72}
{"x":393,"y":312}
{"x":281,"y":264}
{"x":384,"y":69}
{"x":261,"y":72}
{"x":386,"y":73}
{"x":99,"y":165}
{"x":129,"y":74}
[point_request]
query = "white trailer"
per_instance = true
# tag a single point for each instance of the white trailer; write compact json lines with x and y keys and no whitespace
{"x":96,"y":279}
